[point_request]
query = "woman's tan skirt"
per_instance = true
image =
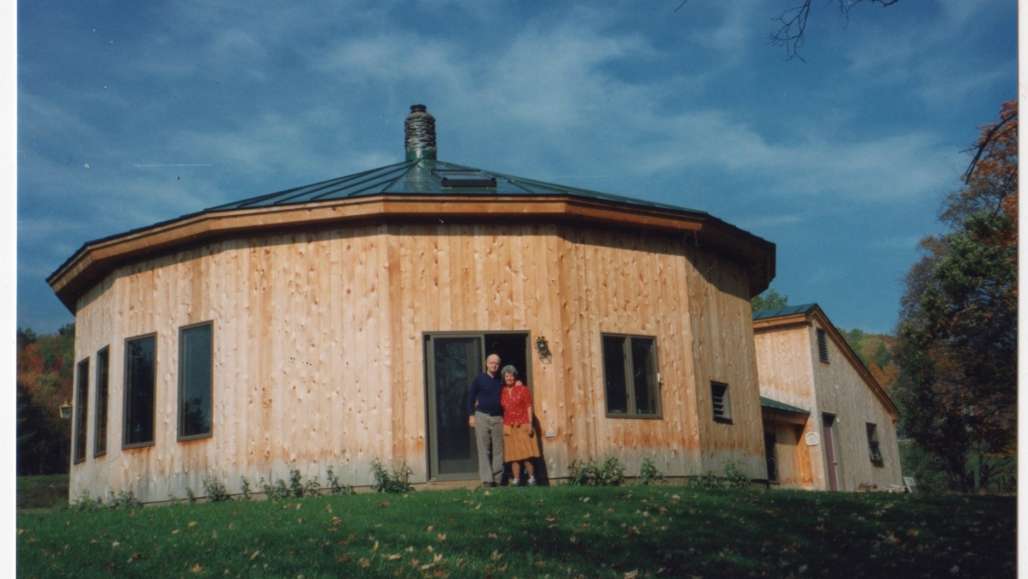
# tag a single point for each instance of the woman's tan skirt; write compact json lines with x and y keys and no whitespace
{"x":517,"y":444}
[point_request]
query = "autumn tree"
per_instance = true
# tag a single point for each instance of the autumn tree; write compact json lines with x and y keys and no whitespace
{"x":43,"y":383}
{"x":957,"y":335}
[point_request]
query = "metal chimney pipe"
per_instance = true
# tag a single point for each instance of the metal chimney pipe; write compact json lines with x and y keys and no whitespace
{"x":419,"y":134}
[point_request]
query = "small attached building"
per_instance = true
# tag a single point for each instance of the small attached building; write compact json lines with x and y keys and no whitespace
{"x":335,"y":324}
{"x":828,"y":424}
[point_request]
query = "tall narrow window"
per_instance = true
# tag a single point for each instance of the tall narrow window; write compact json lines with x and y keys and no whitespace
{"x":140,"y":362}
{"x":630,"y":376}
{"x":822,"y":345}
{"x":81,"y":408}
{"x":100,"y":420}
{"x":721,"y":402}
{"x":873,"y":446}
{"x":194,"y":381}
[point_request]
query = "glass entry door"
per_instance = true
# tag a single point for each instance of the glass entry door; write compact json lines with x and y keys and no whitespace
{"x":453,"y":362}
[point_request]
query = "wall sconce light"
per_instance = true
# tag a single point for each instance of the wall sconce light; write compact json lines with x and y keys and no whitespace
{"x":543,"y":347}
{"x":65,"y":410}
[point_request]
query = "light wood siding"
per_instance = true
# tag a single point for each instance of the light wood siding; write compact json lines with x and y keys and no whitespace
{"x":724,"y":352}
{"x":793,"y":455}
{"x":791,"y":372}
{"x":841,"y":391}
{"x":786,"y":374}
{"x":319,"y":352}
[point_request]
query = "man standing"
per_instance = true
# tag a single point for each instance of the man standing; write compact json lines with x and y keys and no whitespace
{"x":485,"y":415}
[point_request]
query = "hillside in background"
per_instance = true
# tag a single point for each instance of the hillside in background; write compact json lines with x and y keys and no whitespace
{"x":876,"y":351}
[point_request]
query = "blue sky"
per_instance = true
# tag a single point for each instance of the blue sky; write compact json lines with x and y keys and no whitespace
{"x":131,"y":113}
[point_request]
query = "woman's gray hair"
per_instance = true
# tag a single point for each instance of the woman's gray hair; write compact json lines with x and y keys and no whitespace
{"x":509,"y":369}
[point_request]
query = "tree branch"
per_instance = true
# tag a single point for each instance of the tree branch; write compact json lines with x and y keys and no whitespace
{"x":793,"y":23}
{"x":983,"y":145}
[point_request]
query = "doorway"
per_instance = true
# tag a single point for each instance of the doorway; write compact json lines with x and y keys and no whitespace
{"x":771,"y":456}
{"x":831,"y":458}
{"x":452,"y":360}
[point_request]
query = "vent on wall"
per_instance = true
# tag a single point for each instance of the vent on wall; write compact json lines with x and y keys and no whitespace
{"x":721,"y":402}
{"x":822,"y":345}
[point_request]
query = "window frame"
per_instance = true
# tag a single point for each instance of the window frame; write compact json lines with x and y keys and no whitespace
{"x":631,"y":410}
{"x":822,"y":345}
{"x":80,"y":423}
{"x":181,"y":391}
{"x":874,"y":445}
{"x":98,"y":407}
{"x":125,"y":445}
{"x":726,"y":398}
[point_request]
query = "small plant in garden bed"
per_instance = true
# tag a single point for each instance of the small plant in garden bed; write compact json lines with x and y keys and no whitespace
{"x":274,"y":491}
{"x":337,"y":487}
{"x":648,"y":472}
{"x":215,"y":489}
{"x":391,"y":480}
{"x":733,"y":478}
{"x":126,"y":500}
{"x":609,"y":472}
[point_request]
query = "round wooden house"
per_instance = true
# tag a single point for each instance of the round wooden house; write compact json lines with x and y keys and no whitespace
{"x":339,"y":323}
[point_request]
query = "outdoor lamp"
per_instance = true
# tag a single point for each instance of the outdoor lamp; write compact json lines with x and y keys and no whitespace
{"x":66,"y":410}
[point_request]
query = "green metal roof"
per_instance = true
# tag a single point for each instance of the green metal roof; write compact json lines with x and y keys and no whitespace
{"x":782,"y":312}
{"x":781,"y":406}
{"x":429,"y":177}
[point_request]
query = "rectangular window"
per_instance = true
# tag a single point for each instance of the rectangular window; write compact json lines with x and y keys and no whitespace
{"x":81,"y":408}
{"x":873,"y":446}
{"x":630,"y":376}
{"x":100,"y":420}
{"x":140,"y":369}
{"x":822,"y":345}
{"x":721,"y":401}
{"x":194,"y":381}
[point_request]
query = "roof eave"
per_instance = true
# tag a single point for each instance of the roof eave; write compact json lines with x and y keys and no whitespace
{"x":97,"y":258}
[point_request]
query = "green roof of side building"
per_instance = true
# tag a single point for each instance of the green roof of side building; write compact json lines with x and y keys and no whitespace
{"x":781,"y":406}
{"x":782,"y":312}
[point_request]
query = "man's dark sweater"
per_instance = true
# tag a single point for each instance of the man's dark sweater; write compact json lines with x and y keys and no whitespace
{"x":485,"y":390}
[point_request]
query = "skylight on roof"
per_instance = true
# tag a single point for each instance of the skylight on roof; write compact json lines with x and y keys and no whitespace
{"x":466,"y":179}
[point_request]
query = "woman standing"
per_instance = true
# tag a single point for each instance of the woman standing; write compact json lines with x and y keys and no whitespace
{"x":519,"y":443}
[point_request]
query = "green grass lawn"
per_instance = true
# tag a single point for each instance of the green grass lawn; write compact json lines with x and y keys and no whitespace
{"x":562,"y":531}
{"x":42,"y":492}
